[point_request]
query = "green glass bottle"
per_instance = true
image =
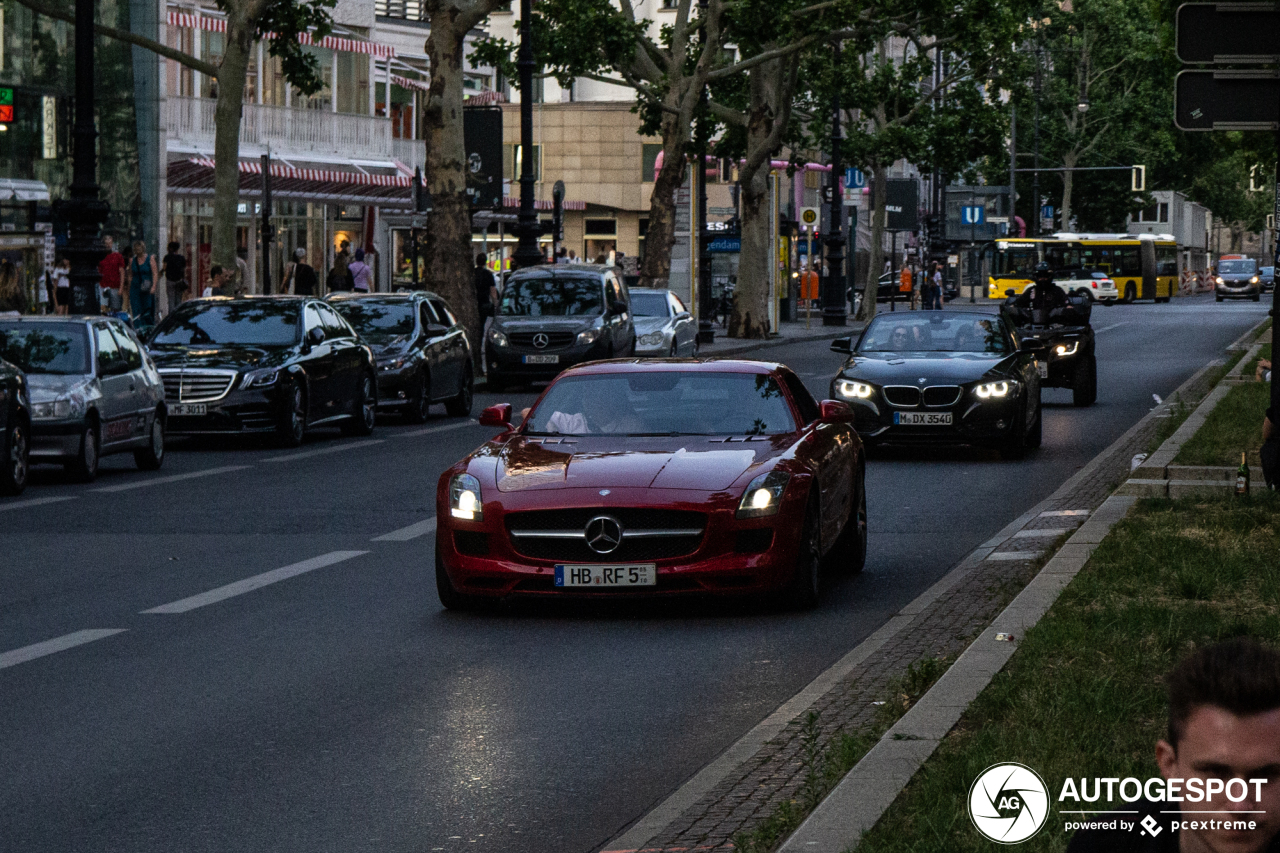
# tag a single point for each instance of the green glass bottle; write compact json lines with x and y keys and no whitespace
{"x":1242,"y":477}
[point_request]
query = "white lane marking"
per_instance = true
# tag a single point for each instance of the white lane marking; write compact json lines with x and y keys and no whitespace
{"x":324,"y":451}
{"x":413,"y":531}
{"x":34,"y":502}
{"x":57,"y":644}
{"x":1014,"y":555}
{"x":1064,"y":512}
{"x":1044,"y":531}
{"x":240,"y":587}
{"x":441,"y":428}
{"x":1109,"y":328}
{"x":159,"y":481}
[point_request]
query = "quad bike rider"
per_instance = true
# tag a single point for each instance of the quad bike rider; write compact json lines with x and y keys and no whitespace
{"x":1045,"y":312}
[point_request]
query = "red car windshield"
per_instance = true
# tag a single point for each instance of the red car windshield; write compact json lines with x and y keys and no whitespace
{"x":663,"y":403}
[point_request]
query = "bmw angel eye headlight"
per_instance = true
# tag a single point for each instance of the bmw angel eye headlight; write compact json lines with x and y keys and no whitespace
{"x":763,"y":496}
{"x":464,"y":498}
{"x":988,"y":390}
{"x":498,"y":339}
{"x":260,"y":378}
{"x":588,"y":336}
{"x":1068,"y":348}
{"x":853,"y":390}
{"x":652,"y":339}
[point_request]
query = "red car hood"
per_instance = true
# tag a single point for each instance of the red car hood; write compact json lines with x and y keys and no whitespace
{"x":687,"y":462}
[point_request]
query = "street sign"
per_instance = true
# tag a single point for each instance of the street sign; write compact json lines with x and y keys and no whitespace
{"x":973,"y":214}
{"x":1046,"y":211}
{"x":1227,"y":100}
{"x":808,"y":216}
{"x":6,"y":97}
{"x":725,"y":245}
{"x":1228,"y":33}
{"x":854,"y":179}
{"x":826,"y":194}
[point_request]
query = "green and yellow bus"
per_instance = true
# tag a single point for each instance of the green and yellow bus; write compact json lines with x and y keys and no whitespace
{"x":1143,"y":266}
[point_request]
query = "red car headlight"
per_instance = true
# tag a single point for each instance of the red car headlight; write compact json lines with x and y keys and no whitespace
{"x":464,"y":498}
{"x":763,"y":495}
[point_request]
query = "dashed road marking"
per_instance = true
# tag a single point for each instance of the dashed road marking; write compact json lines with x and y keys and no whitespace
{"x":159,"y":481}
{"x":325,"y":451}
{"x":441,"y":428}
{"x":1109,"y":328}
{"x":57,"y":644}
{"x":35,"y":502}
{"x":240,"y":587}
{"x":413,"y":531}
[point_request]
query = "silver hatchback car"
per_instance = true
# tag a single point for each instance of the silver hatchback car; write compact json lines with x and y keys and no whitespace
{"x":94,"y":390}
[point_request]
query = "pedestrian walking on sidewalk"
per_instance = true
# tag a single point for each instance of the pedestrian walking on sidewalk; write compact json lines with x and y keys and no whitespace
{"x":340,"y":279}
{"x":143,"y":275}
{"x":935,"y":280}
{"x":111,"y":270}
{"x":62,"y":286}
{"x":174,"y":270}
{"x":361,"y":273}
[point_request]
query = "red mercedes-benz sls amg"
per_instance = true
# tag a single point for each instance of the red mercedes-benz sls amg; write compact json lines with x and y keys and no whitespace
{"x":656,"y":478}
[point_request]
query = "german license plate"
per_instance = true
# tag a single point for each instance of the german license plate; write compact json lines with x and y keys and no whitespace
{"x":542,"y":359}
{"x":188,"y":409}
{"x":922,"y":418}
{"x":602,"y":575}
{"x":1044,"y":370}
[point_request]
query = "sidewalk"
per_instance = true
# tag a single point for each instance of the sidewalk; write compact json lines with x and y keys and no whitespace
{"x":786,"y":333}
{"x":747,"y":799}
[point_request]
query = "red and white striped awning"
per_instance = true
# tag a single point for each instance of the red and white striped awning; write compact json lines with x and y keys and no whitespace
{"x":343,"y":43}
{"x":482,"y":98}
{"x":406,"y":82}
{"x":327,"y":176}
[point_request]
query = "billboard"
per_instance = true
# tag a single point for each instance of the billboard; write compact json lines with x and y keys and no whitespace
{"x":482,"y":137}
{"x":902,"y":204}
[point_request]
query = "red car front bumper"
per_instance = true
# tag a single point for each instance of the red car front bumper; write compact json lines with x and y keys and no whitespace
{"x":731,"y":557}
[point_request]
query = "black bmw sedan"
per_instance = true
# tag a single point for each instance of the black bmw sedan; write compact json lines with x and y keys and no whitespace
{"x":264,"y":364}
{"x":421,"y":349}
{"x":943,"y":377}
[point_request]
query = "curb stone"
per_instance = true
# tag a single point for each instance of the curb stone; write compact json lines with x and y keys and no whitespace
{"x":866,"y":792}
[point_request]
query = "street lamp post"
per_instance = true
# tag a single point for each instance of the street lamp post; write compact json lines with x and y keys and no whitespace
{"x":1035,"y":175}
{"x":706,"y":307}
{"x":527,"y":228}
{"x":834,"y":311}
{"x":84,"y":212}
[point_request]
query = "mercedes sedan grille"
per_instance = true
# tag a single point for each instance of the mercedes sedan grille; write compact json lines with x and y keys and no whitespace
{"x":196,"y":386}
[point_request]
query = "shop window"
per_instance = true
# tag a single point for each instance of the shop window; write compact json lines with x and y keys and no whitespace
{"x":353,"y":83}
{"x":512,"y":162}
{"x":601,"y":227}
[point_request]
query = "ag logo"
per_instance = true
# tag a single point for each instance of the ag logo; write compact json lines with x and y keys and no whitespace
{"x":1008,"y":803}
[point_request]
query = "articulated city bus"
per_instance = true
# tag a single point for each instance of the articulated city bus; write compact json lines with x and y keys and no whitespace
{"x":1143,"y":266}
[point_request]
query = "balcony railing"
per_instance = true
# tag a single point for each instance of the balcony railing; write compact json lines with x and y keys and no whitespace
{"x":411,"y":152}
{"x":287,"y":131}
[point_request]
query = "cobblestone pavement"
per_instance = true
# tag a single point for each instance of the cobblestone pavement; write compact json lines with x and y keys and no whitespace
{"x":942,"y":629}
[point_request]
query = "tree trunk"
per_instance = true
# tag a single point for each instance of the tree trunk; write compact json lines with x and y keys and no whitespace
{"x":226,"y":143}
{"x":655,"y":270}
{"x":771,"y":85}
{"x":1069,"y":160}
{"x":448,"y":248}
{"x":879,"y":198}
{"x":750,"y":317}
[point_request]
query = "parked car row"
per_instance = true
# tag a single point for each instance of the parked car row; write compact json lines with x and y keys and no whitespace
{"x":74,"y":389}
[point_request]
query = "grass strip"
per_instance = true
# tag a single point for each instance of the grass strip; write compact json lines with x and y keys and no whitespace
{"x":1251,"y":368}
{"x":1234,"y":425}
{"x":1083,"y":694}
{"x":1181,"y":408}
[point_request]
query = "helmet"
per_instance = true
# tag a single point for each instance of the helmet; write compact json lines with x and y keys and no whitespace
{"x":1043,"y":266}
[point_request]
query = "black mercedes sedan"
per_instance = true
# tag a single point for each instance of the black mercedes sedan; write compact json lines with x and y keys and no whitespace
{"x":15,"y":427}
{"x":421,"y":349}
{"x":948,"y":376}
{"x":263,"y":364}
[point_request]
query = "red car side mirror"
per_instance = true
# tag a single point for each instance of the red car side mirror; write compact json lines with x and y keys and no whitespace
{"x":497,"y":416}
{"x":835,"y":410}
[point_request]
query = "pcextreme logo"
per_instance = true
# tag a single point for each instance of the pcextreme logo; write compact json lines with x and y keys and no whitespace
{"x":1008,"y":803}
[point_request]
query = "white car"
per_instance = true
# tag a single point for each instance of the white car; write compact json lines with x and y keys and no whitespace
{"x":664,"y":327}
{"x":1098,"y":286}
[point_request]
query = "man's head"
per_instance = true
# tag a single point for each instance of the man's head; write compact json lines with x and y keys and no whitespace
{"x":481,"y":260}
{"x":109,"y":242}
{"x":215,"y":273}
{"x":1224,"y":723}
{"x":173,"y":248}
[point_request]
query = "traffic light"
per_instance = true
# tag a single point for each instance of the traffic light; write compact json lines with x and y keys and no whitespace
{"x":1139,"y":179}
{"x":933,"y":228}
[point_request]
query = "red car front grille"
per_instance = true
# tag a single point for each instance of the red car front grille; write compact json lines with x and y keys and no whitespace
{"x":647,"y":534}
